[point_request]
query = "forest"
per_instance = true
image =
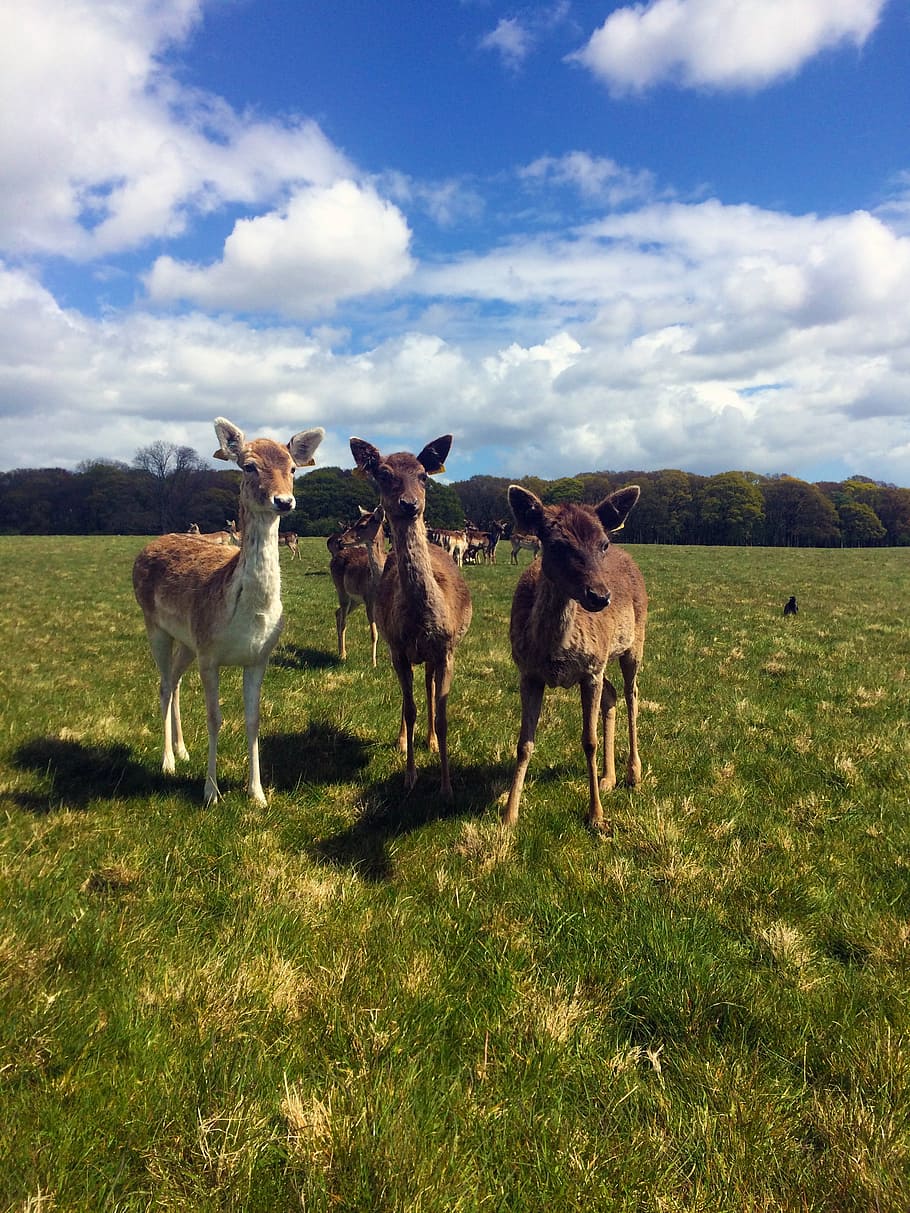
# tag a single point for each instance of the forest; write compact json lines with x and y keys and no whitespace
{"x":168,"y":487}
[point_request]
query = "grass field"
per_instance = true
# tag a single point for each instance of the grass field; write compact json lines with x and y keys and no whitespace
{"x":357,"y":999}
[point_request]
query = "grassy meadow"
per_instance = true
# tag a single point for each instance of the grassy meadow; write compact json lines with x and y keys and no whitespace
{"x":358,"y":999}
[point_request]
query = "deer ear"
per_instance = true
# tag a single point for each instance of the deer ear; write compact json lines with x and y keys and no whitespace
{"x":303,"y":445}
{"x":527,"y":508}
{"x":433,"y":455}
{"x":366,"y":456}
{"x":615,"y":509}
{"x":231,"y":440}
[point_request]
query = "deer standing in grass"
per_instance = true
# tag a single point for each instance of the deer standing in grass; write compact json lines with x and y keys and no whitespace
{"x":582,"y":604}
{"x":423,"y":605}
{"x":221,"y":604}
{"x":356,"y":575}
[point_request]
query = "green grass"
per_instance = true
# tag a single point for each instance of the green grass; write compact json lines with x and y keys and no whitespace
{"x":358,"y":999}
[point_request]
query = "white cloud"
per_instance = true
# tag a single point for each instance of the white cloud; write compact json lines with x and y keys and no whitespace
{"x":672,"y":335}
{"x":100,"y":147}
{"x":511,"y":40}
{"x":327,"y":244}
{"x":597,"y":178}
{"x":515,"y":38}
{"x":723,"y":44}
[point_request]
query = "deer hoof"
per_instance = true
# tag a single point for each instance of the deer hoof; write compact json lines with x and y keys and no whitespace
{"x":600,"y":827}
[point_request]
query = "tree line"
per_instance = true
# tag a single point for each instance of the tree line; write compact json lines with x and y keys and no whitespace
{"x":168,"y":487}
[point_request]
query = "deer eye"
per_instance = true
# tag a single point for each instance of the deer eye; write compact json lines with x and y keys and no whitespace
{"x":605,"y":546}
{"x":250,"y":466}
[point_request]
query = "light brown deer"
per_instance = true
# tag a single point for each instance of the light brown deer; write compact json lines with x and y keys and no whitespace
{"x":581,"y":605}
{"x":423,"y":606}
{"x":222,"y":537}
{"x":529,"y":542}
{"x":369,"y":532}
{"x":355,"y":577}
{"x":219,"y":603}
{"x":291,"y":542}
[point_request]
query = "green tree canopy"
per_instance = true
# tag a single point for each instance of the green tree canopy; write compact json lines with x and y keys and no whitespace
{"x":859,"y":523}
{"x":327,"y":500}
{"x":730,"y":509}
{"x":798,"y":514}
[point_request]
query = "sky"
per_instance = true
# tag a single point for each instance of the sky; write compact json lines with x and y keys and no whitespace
{"x":578,"y":235}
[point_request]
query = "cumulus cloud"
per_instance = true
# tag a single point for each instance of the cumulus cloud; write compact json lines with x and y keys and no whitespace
{"x":328,"y":243}
{"x":701,"y":336}
{"x":722,"y":44}
{"x":101,"y":148}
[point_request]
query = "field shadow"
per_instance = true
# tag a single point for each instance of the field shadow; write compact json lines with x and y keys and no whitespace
{"x":294,"y":657}
{"x":391,"y":812}
{"x":73,"y":774}
{"x":319,"y":754}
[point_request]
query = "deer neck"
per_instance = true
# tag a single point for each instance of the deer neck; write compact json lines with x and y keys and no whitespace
{"x":553,"y":613}
{"x":376,"y":556}
{"x":258,"y":566}
{"x":412,"y":553}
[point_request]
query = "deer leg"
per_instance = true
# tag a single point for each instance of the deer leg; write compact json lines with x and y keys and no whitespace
{"x":209,"y":677}
{"x":531,"y":702}
{"x":374,"y":631}
{"x":608,"y":712}
{"x":252,"y":691}
{"x":591,"y":695}
{"x":629,"y":666}
{"x":443,"y":681}
{"x":432,"y":739}
{"x":162,"y":645}
{"x":341,"y":617}
{"x":405,"y":673}
{"x":182,"y":660}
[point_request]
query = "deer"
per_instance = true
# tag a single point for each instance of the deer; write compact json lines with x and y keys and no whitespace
{"x":356,"y":574}
{"x":221,"y":537}
{"x":369,"y":532}
{"x":235,"y":533}
{"x":423,"y":605}
{"x":222,"y":604}
{"x":495,"y":532}
{"x":581,"y":605}
{"x":291,"y":542}
{"x":529,"y":542}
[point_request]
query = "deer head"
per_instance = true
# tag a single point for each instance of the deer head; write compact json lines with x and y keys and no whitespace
{"x":401,"y":478}
{"x":574,"y":540}
{"x":267,"y":466}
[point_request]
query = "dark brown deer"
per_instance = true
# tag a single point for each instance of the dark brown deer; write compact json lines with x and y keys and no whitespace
{"x":219,"y":603}
{"x":423,"y":606}
{"x":578,"y":607}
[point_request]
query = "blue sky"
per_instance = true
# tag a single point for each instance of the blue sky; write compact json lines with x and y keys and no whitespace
{"x":577,"y":235}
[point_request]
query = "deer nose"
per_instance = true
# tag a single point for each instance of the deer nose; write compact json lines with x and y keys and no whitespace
{"x":409,"y":506}
{"x":284,"y":504}
{"x":595,"y":601}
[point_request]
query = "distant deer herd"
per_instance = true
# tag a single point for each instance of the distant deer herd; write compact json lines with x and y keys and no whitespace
{"x":216,"y":597}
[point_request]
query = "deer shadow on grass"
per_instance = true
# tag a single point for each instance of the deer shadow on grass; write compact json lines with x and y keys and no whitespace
{"x":391,"y":811}
{"x":294,"y":657}
{"x":320,"y":754}
{"x":73,"y":774}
